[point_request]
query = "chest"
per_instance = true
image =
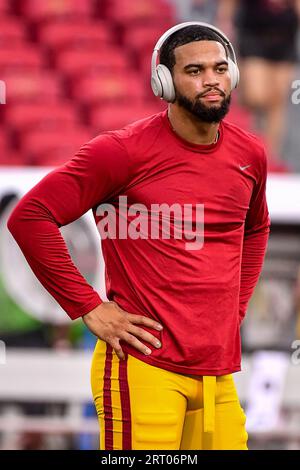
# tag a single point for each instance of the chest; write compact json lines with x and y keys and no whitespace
{"x":222,"y":186}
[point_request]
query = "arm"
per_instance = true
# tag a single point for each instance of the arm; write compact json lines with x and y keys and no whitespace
{"x":98,"y":172}
{"x":257,"y":229}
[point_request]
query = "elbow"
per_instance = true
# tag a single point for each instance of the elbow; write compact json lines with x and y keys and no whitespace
{"x":17,"y":220}
{"x":25,"y":219}
{"x":13,"y":223}
{"x":262,"y":228}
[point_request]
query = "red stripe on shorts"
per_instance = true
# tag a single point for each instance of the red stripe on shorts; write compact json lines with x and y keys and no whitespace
{"x":125,"y":404}
{"x":107,"y":403}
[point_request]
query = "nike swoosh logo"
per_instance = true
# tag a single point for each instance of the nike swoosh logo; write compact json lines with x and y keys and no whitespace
{"x":244,"y":167}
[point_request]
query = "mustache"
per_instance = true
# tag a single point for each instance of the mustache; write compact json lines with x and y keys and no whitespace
{"x":212,"y":90}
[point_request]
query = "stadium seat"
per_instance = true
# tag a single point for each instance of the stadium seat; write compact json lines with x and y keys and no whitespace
{"x":76,"y":35}
{"x":7,"y":155}
{"x":26,"y":116}
{"x":109,"y":87}
{"x":38,"y":10}
{"x":12,"y":158}
{"x":20,"y":58}
{"x":3,"y":141}
{"x":74,"y":63}
{"x":12,"y":31}
{"x":33,"y":86}
{"x":53,"y":147}
{"x":5,"y":6}
{"x":116,"y":116}
{"x":127,"y":12}
{"x":143,"y":38}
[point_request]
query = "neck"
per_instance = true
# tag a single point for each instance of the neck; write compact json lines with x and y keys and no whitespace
{"x":189,"y":128}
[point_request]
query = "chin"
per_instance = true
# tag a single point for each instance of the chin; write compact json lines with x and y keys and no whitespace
{"x":213,"y":106}
{"x":210,"y":105}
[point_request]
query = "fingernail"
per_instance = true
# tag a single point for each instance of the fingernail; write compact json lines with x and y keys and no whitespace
{"x":147,"y":351}
{"x":159,"y":327}
{"x":158,"y":344}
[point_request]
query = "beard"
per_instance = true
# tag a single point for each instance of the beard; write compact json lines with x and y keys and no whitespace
{"x":204,"y":113}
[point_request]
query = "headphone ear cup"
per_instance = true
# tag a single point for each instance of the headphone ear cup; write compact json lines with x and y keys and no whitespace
{"x":156,"y":85}
{"x":166,"y":81}
{"x":234,"y":73}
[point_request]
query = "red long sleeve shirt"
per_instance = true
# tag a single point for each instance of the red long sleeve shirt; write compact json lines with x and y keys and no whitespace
{"x":199,"y":296}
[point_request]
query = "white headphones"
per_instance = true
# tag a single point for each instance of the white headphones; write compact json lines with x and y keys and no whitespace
{"x":161,"y":79}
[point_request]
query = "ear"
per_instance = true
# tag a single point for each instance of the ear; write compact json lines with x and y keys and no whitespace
{"x":234,"y":73}
{"x":166,"y":80}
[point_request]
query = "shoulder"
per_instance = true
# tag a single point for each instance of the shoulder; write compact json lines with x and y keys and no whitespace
{"x":103,"y":156}
{"x":111,"y":152}
{"x":248,"y":142}
{"x":126,"y":138}
{"x":139,"y":134}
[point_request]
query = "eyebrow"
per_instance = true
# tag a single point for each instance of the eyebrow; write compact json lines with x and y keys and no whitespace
{"x":199,"y":65}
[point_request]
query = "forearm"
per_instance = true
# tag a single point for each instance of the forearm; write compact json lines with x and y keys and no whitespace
{"x":40,"y":240}
{"x":254,"y":249}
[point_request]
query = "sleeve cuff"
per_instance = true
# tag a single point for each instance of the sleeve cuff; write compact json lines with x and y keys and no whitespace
{"x":86,"y":308}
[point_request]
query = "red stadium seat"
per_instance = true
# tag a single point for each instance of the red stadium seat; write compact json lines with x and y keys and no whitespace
{"x":5,"y":6}
{"x":12,"y":158}
{"x":27,"y":116}
{"x":3,"y":141}
{"x":12,"y":31}
{"x":38,"y":10}
{"x":143,"y":38}
{"x":33,"y":86}
{"x":20,"y":58}
{"x":7,"y":155}
{"x":115,"y":116}
{"x":141,"y":41}
{"x":105,"y":59}
{"x":127,"y":12}
{"x":109,"y":87}
{"x":76,"y":35}
{"x":53,"y":147}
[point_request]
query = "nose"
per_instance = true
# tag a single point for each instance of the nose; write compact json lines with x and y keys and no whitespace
{"x":210,"y":79}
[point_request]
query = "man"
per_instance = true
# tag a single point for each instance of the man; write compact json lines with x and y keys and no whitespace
{"x":169,"y":337}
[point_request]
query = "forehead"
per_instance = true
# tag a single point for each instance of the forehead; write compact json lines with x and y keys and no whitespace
{"x":199,"y":51}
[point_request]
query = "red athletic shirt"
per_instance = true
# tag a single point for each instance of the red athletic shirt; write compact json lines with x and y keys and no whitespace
{"x":199,"y":296}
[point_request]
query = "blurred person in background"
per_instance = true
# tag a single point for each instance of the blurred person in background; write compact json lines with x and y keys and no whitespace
{"x":266,"y":39}
{"x":297,"y":304}
{"x":204,"y":10}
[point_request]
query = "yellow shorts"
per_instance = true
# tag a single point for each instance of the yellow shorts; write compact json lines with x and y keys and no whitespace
{"x":143,"y":407}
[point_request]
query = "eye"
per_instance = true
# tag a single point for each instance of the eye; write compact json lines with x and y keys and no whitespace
{"x":222,"y":69}
{"x":194,"y":72}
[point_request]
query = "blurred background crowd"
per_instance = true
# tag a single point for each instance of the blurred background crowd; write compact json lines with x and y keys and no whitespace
{"x":74,"y":68}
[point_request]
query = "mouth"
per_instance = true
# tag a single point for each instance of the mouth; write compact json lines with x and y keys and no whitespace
{"x":212,"y":96}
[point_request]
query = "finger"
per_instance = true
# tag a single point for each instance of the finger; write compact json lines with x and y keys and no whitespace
{"x":141,"y":320}
{"x":118,"y":349}
{"x":133,"y":341}
{"x":144,"y":335}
